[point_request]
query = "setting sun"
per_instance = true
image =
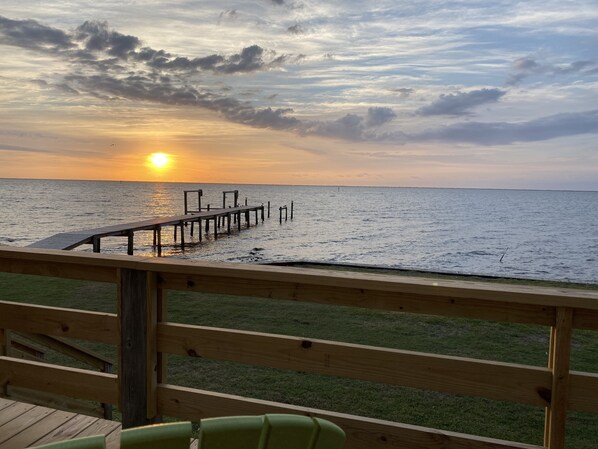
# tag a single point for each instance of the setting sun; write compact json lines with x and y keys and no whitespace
{"x":159,"y":160}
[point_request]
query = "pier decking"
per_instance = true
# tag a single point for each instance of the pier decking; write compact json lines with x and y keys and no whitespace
{"x":25,"y":425}
{"x":220,"y":217}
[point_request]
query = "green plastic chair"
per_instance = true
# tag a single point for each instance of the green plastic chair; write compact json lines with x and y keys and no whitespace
{"x":93,"y":442}
{"x":272,"y":431}
{"x":158,"y":436}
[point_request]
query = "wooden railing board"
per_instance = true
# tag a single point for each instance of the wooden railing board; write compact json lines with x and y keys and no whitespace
{"x":564,"y":390}
{"x":54,"y":401}
{"x":70,"y":349}
{"x":583,"y":392}
{"x":103,"y":267}
{"x":407,"y":302}
{"x":65,"y":381}
{"x":455,"y":375}
{"x":362,"y":432}
{"x":61,"y":322}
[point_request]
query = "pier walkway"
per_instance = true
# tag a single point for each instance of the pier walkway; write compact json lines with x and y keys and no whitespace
{"x":220,"y":217}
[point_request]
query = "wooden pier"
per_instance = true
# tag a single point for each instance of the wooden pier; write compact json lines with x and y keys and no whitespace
{"x":219,"y":217}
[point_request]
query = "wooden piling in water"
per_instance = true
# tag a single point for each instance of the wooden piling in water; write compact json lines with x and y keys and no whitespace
{"x":182,"y":225}
{"x":96,"y":244}
{"x":159,"y":234}
{"x":268,"y":209}
{"x":130,"y":243}
{"x":291,"y":210}
{"x":280,"y":209}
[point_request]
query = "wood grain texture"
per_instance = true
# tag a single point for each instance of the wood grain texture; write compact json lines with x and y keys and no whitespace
{"x":70,"y":382}
{"x":583,"y":392}
{"x":457,"y":375}
{"x":362,"y":433}
{"x":85,"y":325}
{"x":33,"y":425}
{"x":90,"y":266}
{"x":559,"y":362}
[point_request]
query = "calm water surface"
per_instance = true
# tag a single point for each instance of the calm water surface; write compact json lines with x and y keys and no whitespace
{"x":531,"y":234}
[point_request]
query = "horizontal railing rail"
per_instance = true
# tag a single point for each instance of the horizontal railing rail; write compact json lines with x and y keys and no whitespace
{"x":141,"y":390}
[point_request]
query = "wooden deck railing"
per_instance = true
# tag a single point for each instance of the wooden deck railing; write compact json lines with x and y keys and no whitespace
{"x":141,"y":391}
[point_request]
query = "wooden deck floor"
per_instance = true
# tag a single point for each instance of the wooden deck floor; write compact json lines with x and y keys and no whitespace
{"x":25,"y":425}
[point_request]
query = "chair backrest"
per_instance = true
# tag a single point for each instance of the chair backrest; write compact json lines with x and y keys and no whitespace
{"x":93,"y":442}
{"x":158,"y":436}
{"x":272,"y":431}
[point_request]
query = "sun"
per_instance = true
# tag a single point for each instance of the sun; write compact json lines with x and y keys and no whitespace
{"x":159,"y":160}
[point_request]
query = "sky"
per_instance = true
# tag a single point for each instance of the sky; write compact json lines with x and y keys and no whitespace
{"x":479,"y":94}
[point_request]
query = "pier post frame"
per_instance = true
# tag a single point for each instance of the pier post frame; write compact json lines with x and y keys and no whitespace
{"x":191,"y":231}
{"x":162,"y":316}
{"x":96,"y":244}
{"x":215,"y":229}
{"x":228,"y":222}
{"x":130,"y":242}
{"x":256,"y":220}
{"x":138,"y":367}
{"x":291,"y":210}
{"x":159,"y":234}
{"x":559,"y":363}
{"x":262,"y":209}
{"x":268,"y":209}
{"x":239,"y":221}
{"x":182,"y":225}
{"x":199,"y":229}
{"x":4,"y":344}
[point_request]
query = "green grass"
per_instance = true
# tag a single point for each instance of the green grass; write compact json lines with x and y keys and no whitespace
{"x":460,"y":337}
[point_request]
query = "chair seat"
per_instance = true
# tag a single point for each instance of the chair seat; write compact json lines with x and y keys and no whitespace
{"x":271,"y":431}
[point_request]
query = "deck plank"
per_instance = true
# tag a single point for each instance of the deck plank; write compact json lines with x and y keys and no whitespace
{"x":21,"y":424}
{"x":26,"y":425}
{"x":12,"y":411}
{"x":70,"y":428}
{"x":50,"y":420}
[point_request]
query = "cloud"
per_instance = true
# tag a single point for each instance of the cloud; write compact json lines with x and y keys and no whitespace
{"x":231,"y":14}
{"x":403,"y":92}
{"x":94,"y":44}
{"x":505,"y":133}
{"x":164,"y":91}
{"x":527,"y":66}
{"x":97,"y":37}
{"x":4,"y":147}
{"x":30,"y":34}
{"x":295,"y":29}
{"x":460,"y":103}
{"x":378,"y":116}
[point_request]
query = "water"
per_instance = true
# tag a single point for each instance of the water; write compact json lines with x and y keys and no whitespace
{"x":528,"y":234}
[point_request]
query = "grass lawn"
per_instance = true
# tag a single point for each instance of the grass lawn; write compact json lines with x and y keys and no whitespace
{"x":470,"y":338}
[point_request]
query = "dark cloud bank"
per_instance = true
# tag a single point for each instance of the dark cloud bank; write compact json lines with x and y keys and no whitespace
{"x":110,"y":65}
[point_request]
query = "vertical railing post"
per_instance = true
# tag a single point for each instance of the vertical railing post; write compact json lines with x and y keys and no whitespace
{"x":4,"y":343}
{"x":138,"y":315}
{"x":559,"y":362}
{"x":162,"y":357}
